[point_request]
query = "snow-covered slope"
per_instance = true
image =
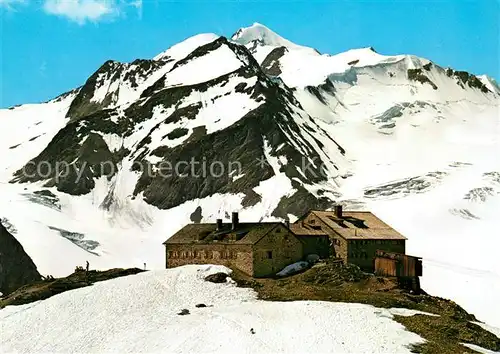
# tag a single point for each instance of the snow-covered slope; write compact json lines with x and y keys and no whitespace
{"x":139,"y":314}
{"x":27,"y":129}
{"x":182,"y":49}
{"x":490,"y":83}
{"x":274,"y":129}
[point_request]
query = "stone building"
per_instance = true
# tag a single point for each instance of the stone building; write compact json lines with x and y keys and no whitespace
{"x":262,"y":249}
{"x":355,"y":236}
{"x":257,"y":249}
{"x":313,"y":241}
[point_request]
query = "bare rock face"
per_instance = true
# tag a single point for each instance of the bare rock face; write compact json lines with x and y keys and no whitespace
{"x":16,"y":267}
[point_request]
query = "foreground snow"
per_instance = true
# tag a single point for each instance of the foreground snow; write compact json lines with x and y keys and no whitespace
{"x":139,"y":314}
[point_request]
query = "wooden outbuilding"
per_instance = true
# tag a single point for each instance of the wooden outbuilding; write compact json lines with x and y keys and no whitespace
{"x":406,"y":268}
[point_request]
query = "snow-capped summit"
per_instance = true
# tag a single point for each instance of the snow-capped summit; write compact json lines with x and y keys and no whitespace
{"x":263,"y":35}
{"x":260,"y":40}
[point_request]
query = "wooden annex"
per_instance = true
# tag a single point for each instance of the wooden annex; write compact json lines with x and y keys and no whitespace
{"x":406,"y":268}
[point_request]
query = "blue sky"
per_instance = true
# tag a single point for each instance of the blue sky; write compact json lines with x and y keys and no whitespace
{"x":48,"y":47}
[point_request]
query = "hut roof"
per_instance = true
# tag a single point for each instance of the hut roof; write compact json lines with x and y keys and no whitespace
{"x":358,"y":225}
{"x":245,"y":233}
{"x":306,"y":230}
{"x":393,"y":255}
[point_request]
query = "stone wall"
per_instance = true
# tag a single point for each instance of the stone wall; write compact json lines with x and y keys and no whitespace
{"x":340,"y":247}
{"x":231,"y":256}
{"x":339,"y":243}
{"x":362,"y":252}
{"x":275,"y":251}
{"x":313,"y":244}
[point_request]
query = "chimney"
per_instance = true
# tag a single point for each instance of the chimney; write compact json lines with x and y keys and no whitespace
{"x":287,"y":223}
{"x":219,"y":224}
{"x":235,"y":220}
{"x":338,"y":211}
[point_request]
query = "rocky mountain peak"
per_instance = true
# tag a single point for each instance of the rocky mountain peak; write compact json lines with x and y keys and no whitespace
{"x":258,"y":34}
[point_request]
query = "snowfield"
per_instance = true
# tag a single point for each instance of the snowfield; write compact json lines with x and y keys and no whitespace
{"x":27,"y":129}
{"x":139,"y":314}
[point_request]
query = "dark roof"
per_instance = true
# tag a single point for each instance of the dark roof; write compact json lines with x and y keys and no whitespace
{"x":306,"y":230}
{"x":247,"y":233}
{"x":393,"y":255}
{"x":190,"y":233}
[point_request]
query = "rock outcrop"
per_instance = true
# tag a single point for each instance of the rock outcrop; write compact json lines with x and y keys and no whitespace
{"x":16,"y":267}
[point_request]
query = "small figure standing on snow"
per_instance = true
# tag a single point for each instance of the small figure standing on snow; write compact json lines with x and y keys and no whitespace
{"x":252,"y":331}
{"x":87,"y":266}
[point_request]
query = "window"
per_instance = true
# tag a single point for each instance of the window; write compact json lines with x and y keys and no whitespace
{"x":269,"y":254}
{"x":278,"y":230}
